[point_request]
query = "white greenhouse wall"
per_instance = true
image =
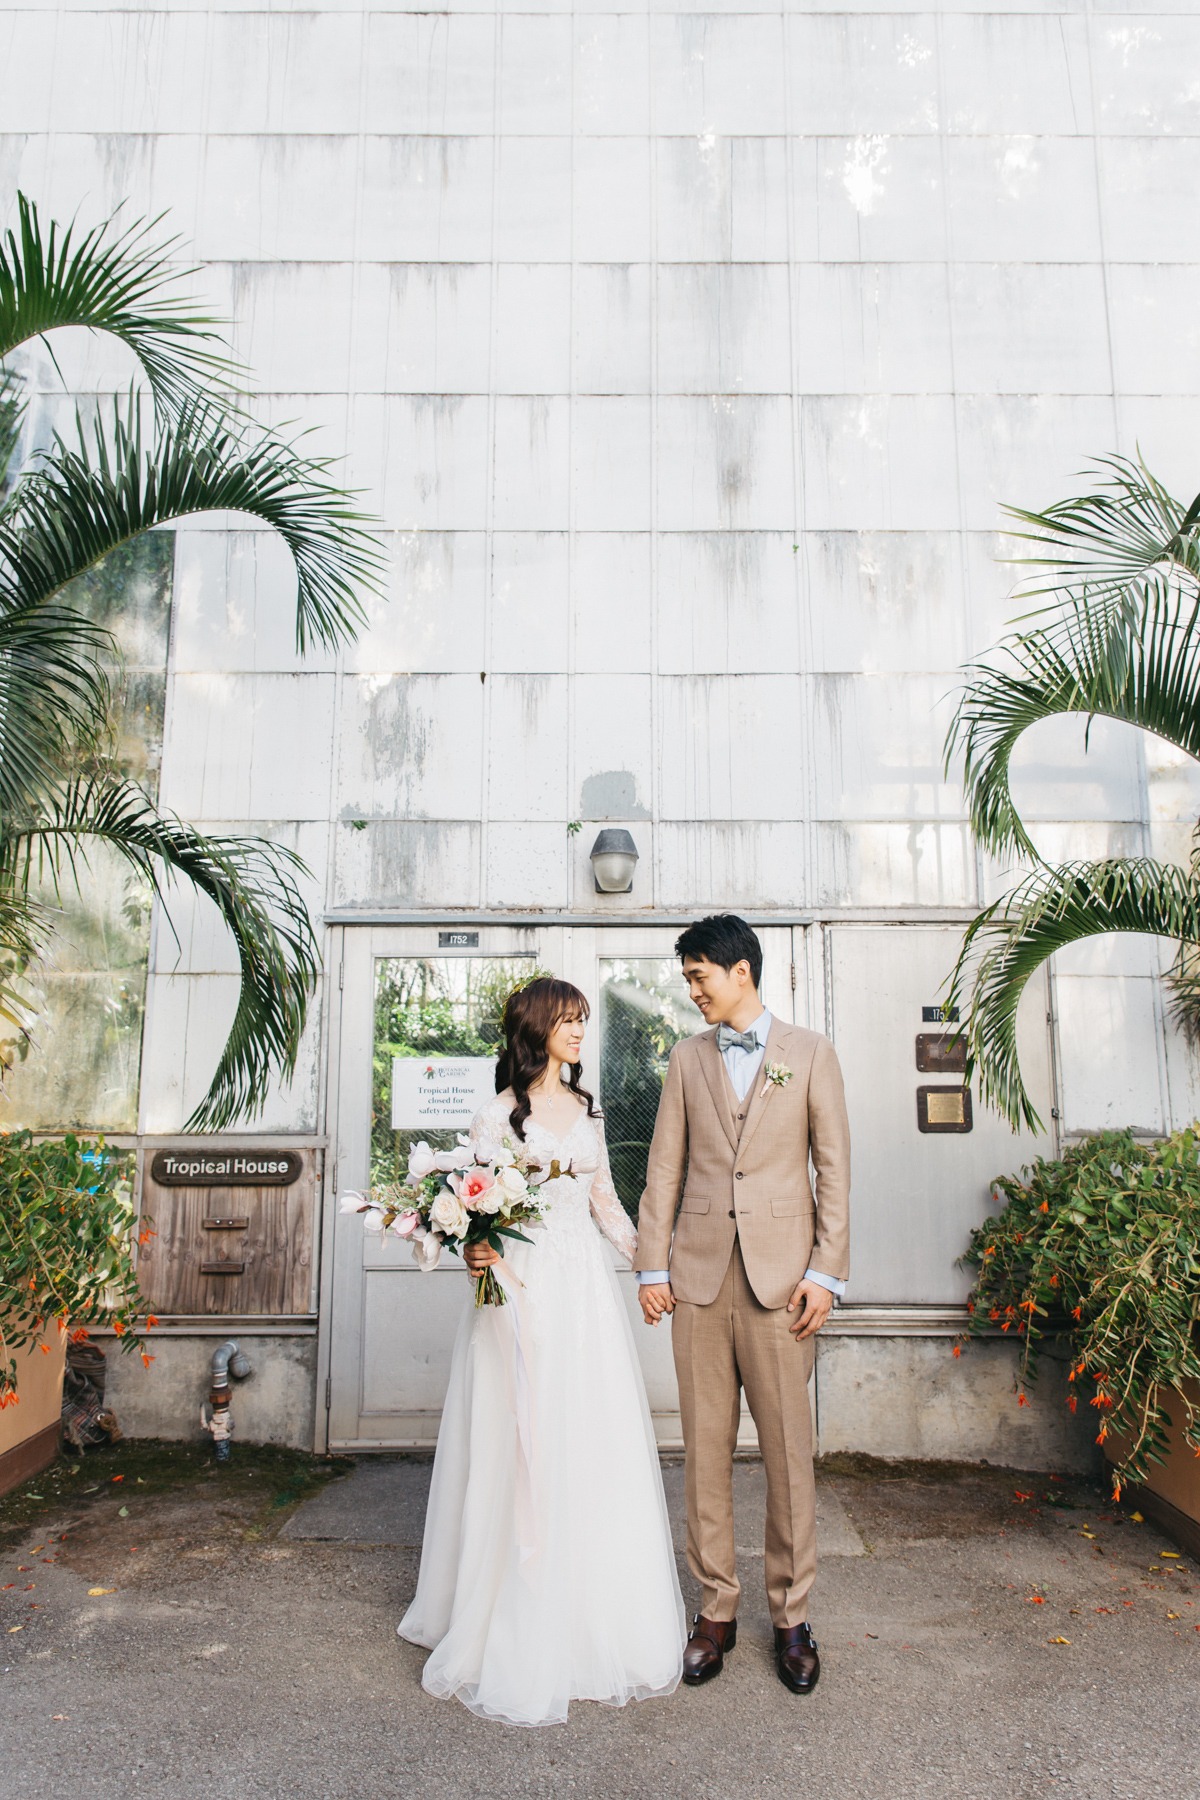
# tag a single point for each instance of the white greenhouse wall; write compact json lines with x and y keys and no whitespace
{"x":687,"y":355}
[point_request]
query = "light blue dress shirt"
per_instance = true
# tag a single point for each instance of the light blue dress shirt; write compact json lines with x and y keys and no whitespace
{"x":742,"y":1066}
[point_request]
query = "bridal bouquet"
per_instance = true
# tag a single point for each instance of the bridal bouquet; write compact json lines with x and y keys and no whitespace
{"x":457,"y":1197}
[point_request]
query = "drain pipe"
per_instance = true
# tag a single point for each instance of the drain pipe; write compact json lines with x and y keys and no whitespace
{"x":216,"y":1415}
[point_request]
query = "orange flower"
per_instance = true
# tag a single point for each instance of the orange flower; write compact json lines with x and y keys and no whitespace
{"x":45,"y":1349}
{"x":145,"y":1235}
{"x":1103,"y":1432}
{"x":1077,"y":1312}
{"x":957,"y":1350}
{"x":1021,"y":1400}
{"x":151,"y":1321}
{"x":79,"y":1335}
{"x":1045,"y":1206}
{"x":1072,"y":1402}
{"x":146,"y":1360}
{"x":118,"y":1328}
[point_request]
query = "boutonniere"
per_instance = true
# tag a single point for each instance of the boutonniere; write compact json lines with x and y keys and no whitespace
{"x":778,"y":1075}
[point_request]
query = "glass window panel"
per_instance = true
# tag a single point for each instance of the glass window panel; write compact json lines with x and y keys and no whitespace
{"x":433,"y":1006}
{"x":644,"y":1012}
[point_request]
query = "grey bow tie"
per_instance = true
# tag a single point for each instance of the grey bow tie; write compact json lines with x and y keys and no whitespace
{"x":727,"y":1037}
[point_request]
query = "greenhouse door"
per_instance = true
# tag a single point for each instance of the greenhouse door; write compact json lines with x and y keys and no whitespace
{"x":415,"y":1028}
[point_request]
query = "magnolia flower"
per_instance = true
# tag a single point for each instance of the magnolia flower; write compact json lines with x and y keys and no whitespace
{"x":421,"y":1161}
{"x":352,"y":1202}
{"x":405,"y":1223}
{"x":373,"y":1219}
{"x":503,"y":1157}
{"x":426,"y":1249}
{"x":449,"y":1214}
{"x":450,"y":1160}
{"x":472,"y":1185}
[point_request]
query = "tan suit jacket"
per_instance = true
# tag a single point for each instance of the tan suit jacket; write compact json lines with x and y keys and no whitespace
{"x":747,"y":1176}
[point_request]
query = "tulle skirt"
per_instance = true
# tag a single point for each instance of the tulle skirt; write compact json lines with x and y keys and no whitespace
{"x":547,"y":1569}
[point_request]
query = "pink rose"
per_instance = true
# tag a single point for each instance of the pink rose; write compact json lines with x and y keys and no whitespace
{"x":473,"y":1185}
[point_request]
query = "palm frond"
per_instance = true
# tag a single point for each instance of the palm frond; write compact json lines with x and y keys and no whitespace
{"x":1012,"y":938}
{"x":1105,"y":550}
{"x":84,"y":498}
{"x":1040,"y":675}
{"x":253,"y":885}
{"x":115,"y":279}
{"x":1105,"y":541}
{"x":56,"y":692}
{"x":12,"y":416}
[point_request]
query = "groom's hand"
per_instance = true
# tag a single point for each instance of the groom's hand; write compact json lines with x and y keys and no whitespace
{"x":656,"y":1298}
{"x":811,"y":1303}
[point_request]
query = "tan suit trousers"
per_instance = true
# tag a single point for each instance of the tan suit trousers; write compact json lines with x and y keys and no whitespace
{"x":731,"y":1344}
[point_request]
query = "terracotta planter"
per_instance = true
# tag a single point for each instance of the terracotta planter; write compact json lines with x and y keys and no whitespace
{"x":29,"y":1431}
{"x":1171,"y":1494}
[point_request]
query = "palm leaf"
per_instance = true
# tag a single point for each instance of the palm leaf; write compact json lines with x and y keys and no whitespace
{"x":110,"y":279}
{"x":1107,"y":550}
{"x":56,"y":691}
{"x":1040,"y":675}
{"x":253,"y":885}
{"x":1011,"y":939}
{"x":84,"y":498}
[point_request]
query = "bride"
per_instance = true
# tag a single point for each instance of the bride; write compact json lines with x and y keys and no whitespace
{"x":547,"y":1571}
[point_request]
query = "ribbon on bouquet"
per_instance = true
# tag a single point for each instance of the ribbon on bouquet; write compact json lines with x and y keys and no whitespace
{"x":523,"y":1395}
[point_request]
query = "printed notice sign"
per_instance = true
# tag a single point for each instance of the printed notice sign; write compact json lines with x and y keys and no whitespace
{"x":440,"y":1093}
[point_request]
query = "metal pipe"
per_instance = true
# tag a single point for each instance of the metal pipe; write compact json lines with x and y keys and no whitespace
{"x":216,"y":1415}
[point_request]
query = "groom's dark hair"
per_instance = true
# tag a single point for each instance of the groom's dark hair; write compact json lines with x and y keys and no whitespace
{"x":723,"y":939}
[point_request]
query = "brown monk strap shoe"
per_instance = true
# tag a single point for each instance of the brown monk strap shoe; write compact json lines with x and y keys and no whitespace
{"x":796,"y":1658}
{"x":708,"y":1642}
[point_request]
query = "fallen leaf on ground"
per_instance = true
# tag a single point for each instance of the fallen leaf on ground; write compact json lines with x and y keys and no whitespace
{"x":13,"y":1628}
{"x":118,"y":1478}
{"x":60,"y":1715}
{"x":102,"y":1590}
{"x":1172,"y":1615}
{"x":1171,"y":1555}
{"x":123,"y":1512}
{"x":1136,"y":1519}
{"x":1059,"y":1640}
{"x":1036,"y":1599}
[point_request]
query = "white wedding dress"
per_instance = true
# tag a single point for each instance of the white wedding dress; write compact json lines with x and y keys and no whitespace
{"x":547,"y":1570}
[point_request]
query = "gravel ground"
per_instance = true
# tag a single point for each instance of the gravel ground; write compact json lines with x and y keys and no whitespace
{"x":188,"y":1634}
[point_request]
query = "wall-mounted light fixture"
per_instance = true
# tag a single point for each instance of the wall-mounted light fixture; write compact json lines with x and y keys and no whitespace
{"x":614,"y":859}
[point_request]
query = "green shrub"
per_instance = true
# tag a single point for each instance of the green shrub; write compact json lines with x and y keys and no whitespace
{"x":1104,"y":1245}
{"x":66,"y":1244}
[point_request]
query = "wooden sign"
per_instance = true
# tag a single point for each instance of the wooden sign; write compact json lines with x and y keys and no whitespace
{"x":233,"y":1231}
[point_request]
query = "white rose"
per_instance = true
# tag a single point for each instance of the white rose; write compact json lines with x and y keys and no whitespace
{"x":491,"y":1200}
{"x":513,"y":1182}
{"x":449,"y":1214}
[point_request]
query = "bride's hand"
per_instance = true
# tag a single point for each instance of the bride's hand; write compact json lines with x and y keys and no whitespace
{"x":478,"y":1257}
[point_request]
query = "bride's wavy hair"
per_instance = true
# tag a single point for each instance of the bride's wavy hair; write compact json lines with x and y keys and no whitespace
{"x":530,"y":1015}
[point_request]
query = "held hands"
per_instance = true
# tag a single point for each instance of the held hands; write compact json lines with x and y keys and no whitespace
{"x":478,"y":1257}
{"x":656,"y":1298}
{"x":811,"y":1304}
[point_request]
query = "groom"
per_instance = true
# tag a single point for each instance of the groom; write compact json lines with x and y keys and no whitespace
{"x":749,"y":1266}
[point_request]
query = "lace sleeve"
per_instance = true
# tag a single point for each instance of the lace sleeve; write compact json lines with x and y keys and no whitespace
{"x":488,"y":1128}
{"x":607,"y":1210}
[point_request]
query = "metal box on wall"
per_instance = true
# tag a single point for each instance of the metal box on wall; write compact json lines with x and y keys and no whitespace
{"x":233,"y":1230}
